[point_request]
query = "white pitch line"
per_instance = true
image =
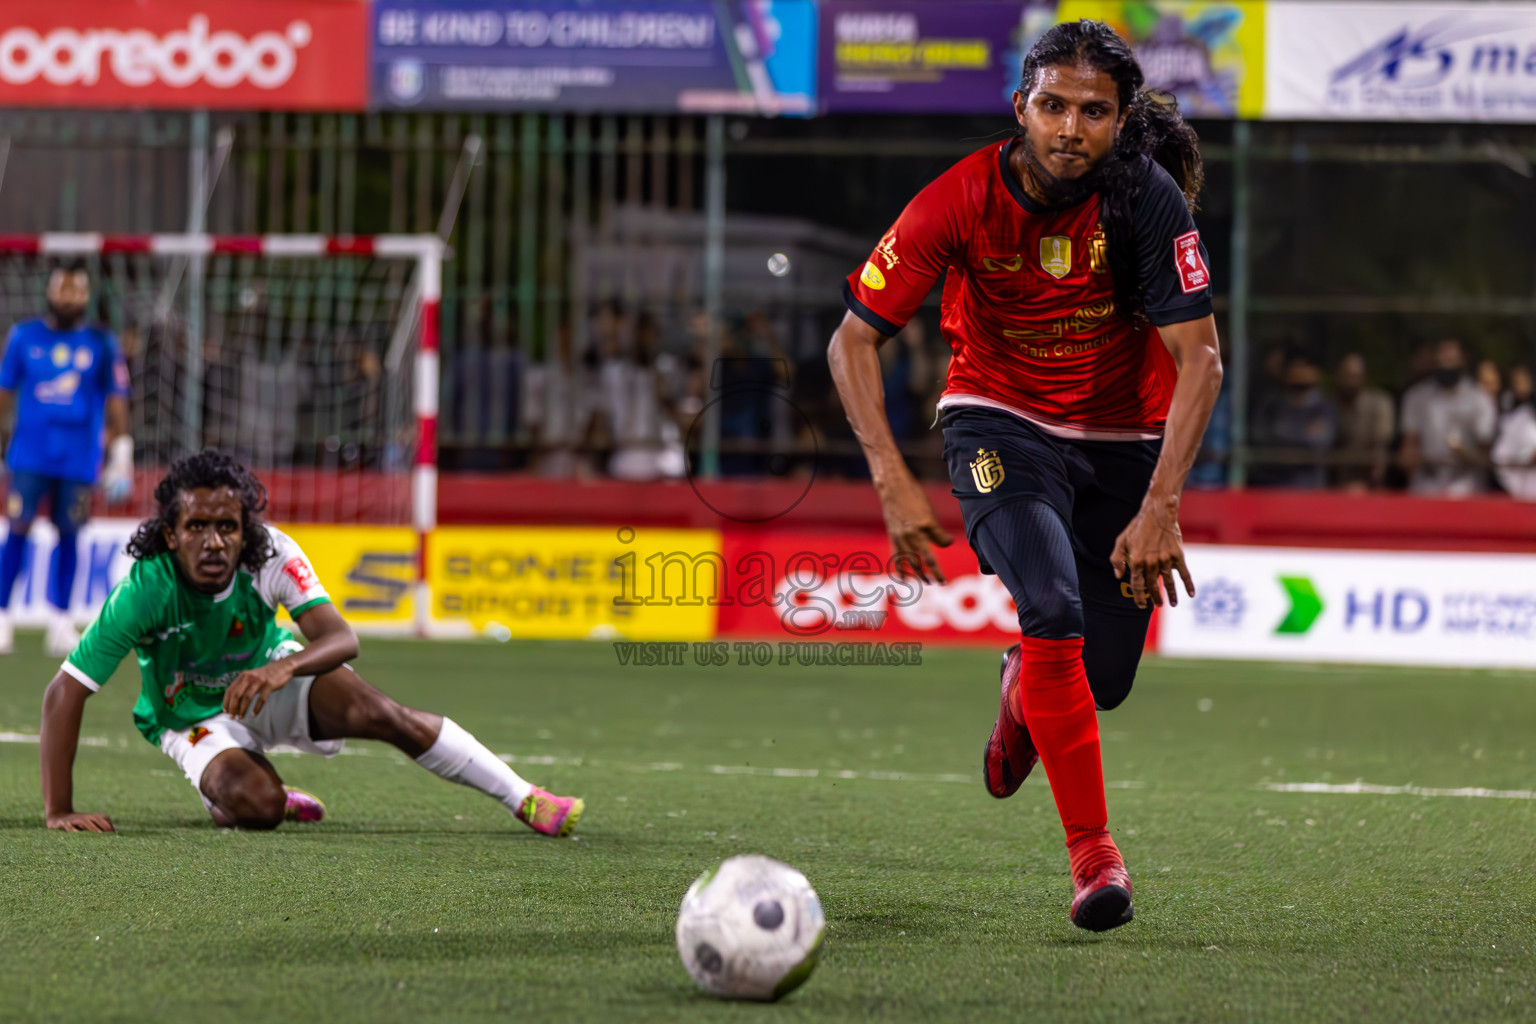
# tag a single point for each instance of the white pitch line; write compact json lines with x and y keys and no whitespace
{"x":1409,"y":790}
{"x":27,"y":737}
{"x":742,"y":769}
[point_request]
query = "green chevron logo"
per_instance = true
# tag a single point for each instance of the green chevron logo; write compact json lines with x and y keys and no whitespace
{"x":1306,"y":606}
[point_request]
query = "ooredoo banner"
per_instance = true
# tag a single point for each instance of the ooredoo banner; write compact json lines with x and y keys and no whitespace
{"x":803,"y":586}
{"x":1401,"y":62}
{"x":272,"y":55}
{"x":1386,"y":607}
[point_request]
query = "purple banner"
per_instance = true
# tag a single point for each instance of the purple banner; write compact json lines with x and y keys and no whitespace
{"x":916,"y":56}
{"x":608,"y":56}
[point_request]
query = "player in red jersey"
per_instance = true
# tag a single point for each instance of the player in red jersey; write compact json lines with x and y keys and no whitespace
{"x":1085,"y":367}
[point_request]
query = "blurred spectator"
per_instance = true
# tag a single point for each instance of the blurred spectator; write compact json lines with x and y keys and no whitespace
{"x":751,"y":378}
{"x":1366,"y":426}
{"x":1270,"y":385}
{"x":1519,"y":390}
{"x":277,"y":392}
{"x":647,"y":443}
{"x":557,"y":409}
{"x":1211,"y":462}
{"x":1448,"y":424}
{"x":1514,"y":453}
{"x":1301,"y":421}
{"x":907,"y":372}
{"x":1489,"y":380}
{"x":1421,"y":362}
{"x":827,"y":431}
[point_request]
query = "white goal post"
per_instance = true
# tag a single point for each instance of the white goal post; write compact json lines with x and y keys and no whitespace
{"x":313,"y":357}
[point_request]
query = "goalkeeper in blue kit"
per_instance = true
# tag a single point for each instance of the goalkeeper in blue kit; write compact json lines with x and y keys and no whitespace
{"x":222,"y":683}
{"x":68,"y":384}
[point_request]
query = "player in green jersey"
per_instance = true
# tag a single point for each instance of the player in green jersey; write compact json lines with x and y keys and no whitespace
{"x":222,"y":682}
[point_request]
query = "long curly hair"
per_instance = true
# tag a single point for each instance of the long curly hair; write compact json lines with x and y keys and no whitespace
{"x":207,"y":469}
{"x":1153,"y":127}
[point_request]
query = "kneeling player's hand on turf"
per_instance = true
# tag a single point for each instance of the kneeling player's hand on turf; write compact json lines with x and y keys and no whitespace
{"x":913,"y":526}
{"x":250,"y":690}
{"x":78,"y":822}
{"x":1152,"y":549}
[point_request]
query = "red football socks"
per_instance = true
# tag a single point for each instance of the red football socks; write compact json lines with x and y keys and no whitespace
{"x":1056,"y":706}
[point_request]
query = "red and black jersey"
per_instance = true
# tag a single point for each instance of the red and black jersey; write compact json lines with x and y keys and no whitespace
{"x":1028,"y":306}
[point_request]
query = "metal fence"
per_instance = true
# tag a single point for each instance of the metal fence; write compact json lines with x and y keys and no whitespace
{"x":584,"y":235}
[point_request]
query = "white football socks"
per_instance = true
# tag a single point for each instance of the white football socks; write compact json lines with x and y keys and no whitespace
{"x":459,"y":757}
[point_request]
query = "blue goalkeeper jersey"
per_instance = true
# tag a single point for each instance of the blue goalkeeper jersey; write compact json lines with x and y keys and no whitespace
{"x":63,"y":380}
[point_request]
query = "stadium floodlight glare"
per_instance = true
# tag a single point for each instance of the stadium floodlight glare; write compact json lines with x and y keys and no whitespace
{"x":315,"y":360}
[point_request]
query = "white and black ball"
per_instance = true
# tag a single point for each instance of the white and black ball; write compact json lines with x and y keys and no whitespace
{"x":750,"y":929}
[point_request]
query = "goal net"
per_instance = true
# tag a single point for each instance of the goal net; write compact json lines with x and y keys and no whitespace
{"x":312,"y":359}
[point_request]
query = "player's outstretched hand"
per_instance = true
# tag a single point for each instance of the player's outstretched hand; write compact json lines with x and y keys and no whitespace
{"x":913,"y":526}
{"x":250,"y":690}
{"x":80,"y":822}
{"x":1152,"y":549}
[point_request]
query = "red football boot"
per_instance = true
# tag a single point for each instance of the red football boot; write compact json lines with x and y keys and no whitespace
{"x":1102,"y":887}
{"x":1010,"y":754}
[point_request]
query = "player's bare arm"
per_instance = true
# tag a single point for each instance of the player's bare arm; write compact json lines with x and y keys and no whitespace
{"x":1151,"y":546}
{"x":117,"y":418}
{"x":331,"y":643}
{"x":59,"y":737}
{"x":909,"y":517}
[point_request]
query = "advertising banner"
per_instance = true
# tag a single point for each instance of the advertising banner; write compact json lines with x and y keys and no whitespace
{"x":916,"y":56}
{"x":608,"y":56}
{"x":1401,"y":62}
{"x":1209,"y":55}
{"x":557,"y":583}
{"x":913,"y":56}
{"x":1295,"y":604}
{"x":369,"y":571}
{"x":273,"y":55}
{"x":102,"y":563}
{"x":822,"y":586}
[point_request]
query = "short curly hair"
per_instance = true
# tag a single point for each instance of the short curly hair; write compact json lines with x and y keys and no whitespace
{"x":207,"y":469}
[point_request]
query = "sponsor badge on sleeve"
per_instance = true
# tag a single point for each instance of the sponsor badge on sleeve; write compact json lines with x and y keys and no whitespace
{"x":1193,"y":273}
{"x":300,"y":572}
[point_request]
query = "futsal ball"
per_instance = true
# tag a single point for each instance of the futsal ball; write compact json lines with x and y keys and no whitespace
{"x":750,"y":929}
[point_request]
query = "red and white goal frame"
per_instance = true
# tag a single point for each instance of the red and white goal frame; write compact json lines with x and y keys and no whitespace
{"x":426,"y":251}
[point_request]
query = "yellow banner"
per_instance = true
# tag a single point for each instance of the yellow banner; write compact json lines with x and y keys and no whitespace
{"x":1209,"y":53}
{"x":571,"y":583}
{"x":369,"y":571}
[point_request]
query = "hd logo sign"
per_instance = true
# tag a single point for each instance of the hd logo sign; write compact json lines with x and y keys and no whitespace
{"x":1388,"y":607}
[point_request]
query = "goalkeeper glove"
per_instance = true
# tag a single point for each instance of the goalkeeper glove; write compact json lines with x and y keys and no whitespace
{"x":117,"y":479}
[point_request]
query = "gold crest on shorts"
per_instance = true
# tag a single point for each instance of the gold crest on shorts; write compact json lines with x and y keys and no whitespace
{"x":1056,"y":255}
{"x":986,"y":470}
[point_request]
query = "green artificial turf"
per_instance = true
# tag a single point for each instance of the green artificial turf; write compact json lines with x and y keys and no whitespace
{"x":420,"y":901}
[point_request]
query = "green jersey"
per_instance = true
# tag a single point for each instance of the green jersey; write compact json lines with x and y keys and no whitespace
{"x":192,"y":645}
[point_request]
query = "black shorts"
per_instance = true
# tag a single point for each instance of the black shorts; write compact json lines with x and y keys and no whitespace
{"x":996,"y":458}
